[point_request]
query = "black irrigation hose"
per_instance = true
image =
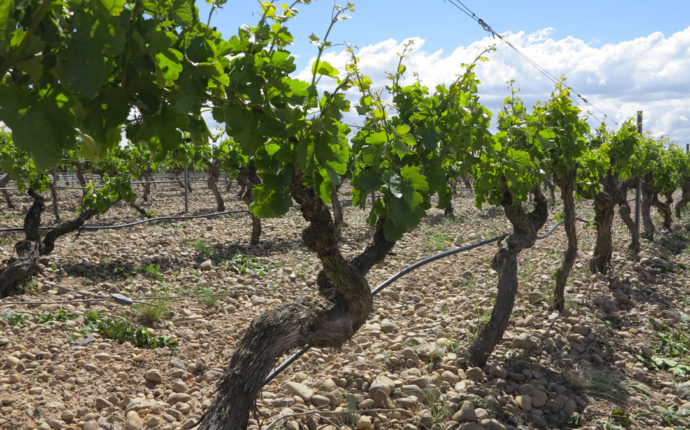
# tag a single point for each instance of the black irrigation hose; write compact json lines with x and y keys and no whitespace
{"x":165,"y":218}
{"x":118,"y":226}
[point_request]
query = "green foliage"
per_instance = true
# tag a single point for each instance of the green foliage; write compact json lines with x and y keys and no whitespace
{"x":67,"y":81}
{"x":671,"y":343}
{"x":409,"y":153}
{"x":508,"y":169}
{"x":154,"y":271}
{"x":15,"y":318}
{"x":246,"y":264}
{"x":154,"y":311}
{"x":20,"y":166}
{"x":122,"y":330}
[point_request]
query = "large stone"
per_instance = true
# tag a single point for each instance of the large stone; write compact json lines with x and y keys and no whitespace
{"x":320,"y":401}
{"x":498,"y":371}
{"x":388,"y":327}
{"x":153,"y":375}
{"x":381,"y":383}
{"x":474,"y":374}
{"x":539,"y":399}
{"x":466,"y":413}
{"x":133,"y":421}
{"x":525,"y":341}
{"x":300,"y":390}
{"x":102,"y":403}
{"x":175,"y":398}
{"x":524,"y":401}
{"x":365,"y":423}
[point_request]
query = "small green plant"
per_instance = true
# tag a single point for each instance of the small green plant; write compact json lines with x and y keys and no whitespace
{"x":352,"y":411}
{"x":437,"y":405}
{"x":243,"y":264}
{"x":156,"y":311}
{"x":207,"y":296}
{"x":123,"y":330}
{"x":205,"y":250}
{"x":436,"y":241}
{"x":621,"y":417}
{"x":154,"y":271}
{"x":671,"y":343}
{"x":12,"y":318}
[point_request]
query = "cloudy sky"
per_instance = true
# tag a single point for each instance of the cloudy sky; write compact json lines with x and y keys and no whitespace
{"x":621,"y":56}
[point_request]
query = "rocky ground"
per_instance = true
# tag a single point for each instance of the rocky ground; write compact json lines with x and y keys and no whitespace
{"x":617,"y":358}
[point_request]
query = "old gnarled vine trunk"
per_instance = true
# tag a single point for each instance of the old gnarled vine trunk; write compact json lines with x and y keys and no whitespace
{"x":604,"y":212}
{"x":4,"y":181}
{"x":684,"y":198}
{"x":567,"y":187}
{"x":212,"y":182}
{"x":21,"y":268}
{"x":525,"y":228}
{"x":646,"y":206}
{"x":248,"y":179}
{"x":327,"y":321}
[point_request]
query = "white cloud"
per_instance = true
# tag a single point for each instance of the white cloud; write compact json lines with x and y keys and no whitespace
{"x":649,"y":73}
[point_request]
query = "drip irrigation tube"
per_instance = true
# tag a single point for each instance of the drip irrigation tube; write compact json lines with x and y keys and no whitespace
{"x":118,"y":226}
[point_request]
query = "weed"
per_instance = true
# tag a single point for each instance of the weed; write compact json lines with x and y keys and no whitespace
{"x":353,"y":412}
{"x":158,"y":310}
{"x":603,"y":384}
{"x":243,"y":264}
{"x":621,"y":417}
{"x":670,"y":343}
{"x":206,"y":295}
{"x":437,"y":405}
{"x":154,"y":271}
{"x":205,"y":250}
{"x":437,"y":241}
{"x":122,"y":330}
{"x":12,"y":318}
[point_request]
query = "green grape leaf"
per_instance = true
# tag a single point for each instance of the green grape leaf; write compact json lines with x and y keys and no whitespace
{"x":270,"y":202}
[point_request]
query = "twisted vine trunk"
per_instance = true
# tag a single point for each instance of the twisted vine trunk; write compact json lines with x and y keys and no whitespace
{"x":19,"y":270}
{"x":626,"y":215}
{"x":248,"y":179}
{"x":664,"y":208}
{"x":604,"y":212}
{"x":684,"y":199}
{"x":646,"y":206}
{"x":525,"y":228}
{"x":327,"y":321}
{"x":53,"y":195}
{"x":567,"y":187}
{"x":213,"y":176}
{"x":147,"y":178}
{"x":4,"y":181}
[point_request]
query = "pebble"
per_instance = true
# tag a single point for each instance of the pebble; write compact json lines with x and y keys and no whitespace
{"x":133,"y":421}
{"x":365,"y":423}
{"x":320,"y":401}
{"x":525,"y":341}
{"x":178,"y":398}
{"x":388,"y":327}
{"x":179,"y":386}
{"x":498,"y":371}
{"x":153,"y":375}
{"x":524,"y":401}
{"x":300,"y":390}
{"x":474,"y":374}
{"x":466,"y":413}
{"x":102,"y":403}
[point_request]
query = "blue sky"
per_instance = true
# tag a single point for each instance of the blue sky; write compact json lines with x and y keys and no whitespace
{"x":443,"y":26}
{"x":622,"y":55}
